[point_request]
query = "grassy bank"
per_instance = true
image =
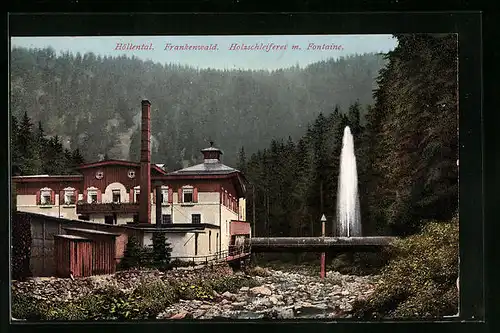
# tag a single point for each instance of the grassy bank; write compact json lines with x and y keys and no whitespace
{"x":420,"y":279}
{"x":145,"y":301}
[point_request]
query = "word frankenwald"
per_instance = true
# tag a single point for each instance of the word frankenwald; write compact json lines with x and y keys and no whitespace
{"x":187,"y":47}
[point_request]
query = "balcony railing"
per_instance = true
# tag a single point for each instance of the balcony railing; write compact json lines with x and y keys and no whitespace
{"x":92,"y":208}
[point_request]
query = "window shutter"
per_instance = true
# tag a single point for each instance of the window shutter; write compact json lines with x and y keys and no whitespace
{"x":99,"y":196}
{"x":131,"y":195}
{"x":85,"y":196}
{"x":179,"y":193}
{"x":38,"y":201}
{"x":195,"y":194}
{"x":52,"y":197}
{"x":154,"y":195}
{"x":221,"y":194}
{"x":76,"y":196}
{"x":170,"y":195}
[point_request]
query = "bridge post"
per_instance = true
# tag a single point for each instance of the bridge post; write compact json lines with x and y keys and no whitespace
{"x":322,"y":271}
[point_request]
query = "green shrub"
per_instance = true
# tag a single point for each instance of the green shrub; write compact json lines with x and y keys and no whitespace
{"x":199,"y":290}
{"x":25,"y":307}
{"x":153,"y":297}
{"x":420,"y":279}
{"x":231,"y":283}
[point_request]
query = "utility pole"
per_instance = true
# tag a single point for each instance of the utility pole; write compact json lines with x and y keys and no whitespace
{"x":323,"y":254}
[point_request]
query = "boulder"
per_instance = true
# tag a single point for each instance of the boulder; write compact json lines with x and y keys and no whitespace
{"x":261,"y":290}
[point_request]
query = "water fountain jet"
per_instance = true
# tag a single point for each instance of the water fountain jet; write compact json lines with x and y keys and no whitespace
{"x":348,"y":211}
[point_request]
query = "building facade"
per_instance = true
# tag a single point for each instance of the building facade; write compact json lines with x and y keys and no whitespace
{"x":202,"y":207}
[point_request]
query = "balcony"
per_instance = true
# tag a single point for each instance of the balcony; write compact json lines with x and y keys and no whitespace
{"x":104,"y":208}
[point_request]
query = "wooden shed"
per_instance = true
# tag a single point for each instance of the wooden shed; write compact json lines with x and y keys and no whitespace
{"x":103,"y":249}
{"x":73,"y":255}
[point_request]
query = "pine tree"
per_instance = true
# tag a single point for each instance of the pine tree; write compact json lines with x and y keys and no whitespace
{"x":242,"y":161}
{"x":16,"y":158}
{"x":132,"y":254}
{"x":161,"y":251}
{"x":26,"y":147}
{"x":77,"y":157}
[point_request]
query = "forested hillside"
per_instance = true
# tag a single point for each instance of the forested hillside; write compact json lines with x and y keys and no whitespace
{"x":93,"y":102}
{"x":406,"y":152}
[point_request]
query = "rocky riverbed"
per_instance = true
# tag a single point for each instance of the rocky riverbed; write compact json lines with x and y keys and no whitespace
{"x":281,"y":295}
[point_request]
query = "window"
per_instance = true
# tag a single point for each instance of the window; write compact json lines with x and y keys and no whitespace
{"x":137,"y":192}
{"x":166,"y":219}
{"x":187,"y":194}
{"x":164,"y":194}
{"x":45,"y":196}
{"x":116,"y":196}
{"x":92,"y":195}
{"x":69,"y":196}
{"x":136,"y":218}
{"x":196,"y":218}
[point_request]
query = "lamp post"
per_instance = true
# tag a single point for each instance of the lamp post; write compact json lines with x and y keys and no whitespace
{"x":322,"y":272}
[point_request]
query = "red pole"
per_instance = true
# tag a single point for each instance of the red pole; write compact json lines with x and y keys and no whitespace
{"x":322,"y":272}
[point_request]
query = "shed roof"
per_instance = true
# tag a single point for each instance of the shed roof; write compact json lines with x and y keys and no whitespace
{"x":91,"y":231}
{"x":73,"y":237}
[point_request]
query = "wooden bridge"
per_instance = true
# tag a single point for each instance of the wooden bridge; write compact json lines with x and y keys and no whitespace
{"x":318,"y":244}
{"x":238,"y":253}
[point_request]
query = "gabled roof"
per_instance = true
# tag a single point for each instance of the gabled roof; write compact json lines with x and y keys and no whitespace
{"x":49,"y":178}
{"x":119,"y":162}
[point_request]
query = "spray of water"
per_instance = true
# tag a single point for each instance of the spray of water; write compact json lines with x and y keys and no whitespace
{"x":348,"y":213}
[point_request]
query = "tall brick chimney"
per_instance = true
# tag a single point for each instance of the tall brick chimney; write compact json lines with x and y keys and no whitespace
{"x":145,"y":182}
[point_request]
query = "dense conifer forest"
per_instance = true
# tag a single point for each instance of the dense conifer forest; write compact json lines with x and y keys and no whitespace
{"x":406,"y":150}
{"x":93,"y":102}
{"x":283,"y":128}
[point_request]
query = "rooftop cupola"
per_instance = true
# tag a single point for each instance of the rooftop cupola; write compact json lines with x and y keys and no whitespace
{"x":211,"y":154}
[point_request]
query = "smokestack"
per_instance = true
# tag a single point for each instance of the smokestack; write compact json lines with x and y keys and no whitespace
{"x":145,"y":182}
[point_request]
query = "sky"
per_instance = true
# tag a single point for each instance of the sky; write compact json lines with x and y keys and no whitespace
{"x":269,"y":51}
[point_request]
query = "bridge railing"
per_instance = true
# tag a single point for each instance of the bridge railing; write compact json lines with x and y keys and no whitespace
{"x":217,"y":257}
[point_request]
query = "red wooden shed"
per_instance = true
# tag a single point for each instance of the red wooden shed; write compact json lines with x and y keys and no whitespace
{"x":73,"y":255}
{"x":103,"y":249}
